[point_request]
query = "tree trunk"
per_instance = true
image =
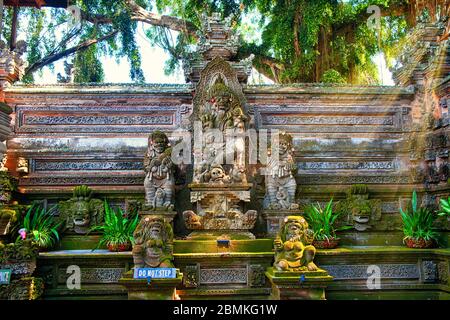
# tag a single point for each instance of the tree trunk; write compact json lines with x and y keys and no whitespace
{"x":12,"y":39}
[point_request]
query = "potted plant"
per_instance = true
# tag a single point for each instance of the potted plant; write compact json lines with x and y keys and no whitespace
{"x":418,"y":226}
{"x":321,"y":221}
{"x":445,"y":207}
{"x":40,"y":226}
{"x":117,"y":231}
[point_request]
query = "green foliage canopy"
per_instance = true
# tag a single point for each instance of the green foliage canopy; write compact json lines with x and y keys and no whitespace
{"x":292,"y":40}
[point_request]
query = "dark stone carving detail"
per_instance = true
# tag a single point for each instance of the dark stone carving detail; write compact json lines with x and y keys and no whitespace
{"x":22,"y":268}
{"x":256,"y":275}
{"x":443,"y":271}
{"x":69,"y":119}
{"x":347,"y":165}
{"x":429,"y":271}
{"x":295,"y":120}
{"x":325,"y":119}
{"x":94,"y":275}
{"x":329,"y":179}
{"x":106,"y":180}
{"x":191,"y":276}
{"x":223,"y":275}
{"x":388,"y":271}
{"x":98,"y":120}
{"x":51,"y":165}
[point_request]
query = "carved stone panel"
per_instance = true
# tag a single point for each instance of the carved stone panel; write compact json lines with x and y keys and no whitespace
{"x":223,"y":276}
{"x":388,"y":271}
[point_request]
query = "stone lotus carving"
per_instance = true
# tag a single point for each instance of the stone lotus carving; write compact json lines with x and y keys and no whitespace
{"x":280,"y":177}
{"x":81,"y":212}
{"x":293,"y":249}
{"x":159,"y":179}
{"x":154,"y":243}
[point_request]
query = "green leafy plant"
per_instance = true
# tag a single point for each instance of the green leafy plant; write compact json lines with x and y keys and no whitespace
{"x":445,"y":207}
{"x":418,"y":222}
{"x":41,"y":226}
{"x":322,"y":221}
{"x":117,"y":229}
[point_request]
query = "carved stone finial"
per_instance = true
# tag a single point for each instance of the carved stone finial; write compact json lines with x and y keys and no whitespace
{"x":12,"y":66}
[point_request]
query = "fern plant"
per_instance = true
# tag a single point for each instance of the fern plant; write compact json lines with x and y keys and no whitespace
{"x":445,"y":207}
{"x":117,"y":229}
{"x":322,"y":221}
{"x":40,"y":224}
{"x":418,"y":222}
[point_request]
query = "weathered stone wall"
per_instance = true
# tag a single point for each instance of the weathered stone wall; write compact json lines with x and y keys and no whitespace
{"x":90,"y":135}
{"x":97,"y":135}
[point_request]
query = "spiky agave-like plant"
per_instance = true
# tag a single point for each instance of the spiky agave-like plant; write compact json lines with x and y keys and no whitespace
{"x":445,"y":207}
{"x":322,"y":220}
{"x":418,"y":222}
{"x":117,"y":229}
{"x":41,"y":225}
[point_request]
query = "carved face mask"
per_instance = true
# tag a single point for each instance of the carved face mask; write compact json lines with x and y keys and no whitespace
{"x":82,"y":217}
{"x":155,"y":230}
{"x":217,"y":174}
{"x":283,"y":147}
{"x":159,"y":145}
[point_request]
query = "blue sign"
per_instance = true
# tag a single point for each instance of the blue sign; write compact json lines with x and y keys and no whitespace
{"x":5,"y":276}
{"x":155,"y":273}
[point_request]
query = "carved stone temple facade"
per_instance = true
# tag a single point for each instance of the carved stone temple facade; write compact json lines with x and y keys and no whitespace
{"x":391,"y":139}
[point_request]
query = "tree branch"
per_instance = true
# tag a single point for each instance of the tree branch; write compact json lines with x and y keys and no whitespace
{"x":140,"y":14}
{"x":57,"y":56}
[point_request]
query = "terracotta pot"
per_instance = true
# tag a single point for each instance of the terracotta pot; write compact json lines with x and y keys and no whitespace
{"x":326,"y":244}
{"x":420,"y":243}
{"x":119,"y":247}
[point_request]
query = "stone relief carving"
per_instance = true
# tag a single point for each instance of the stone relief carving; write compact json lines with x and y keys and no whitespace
{"x":358,"y":210}
{"x":81,"y":212}
{"x":191,"y":276}
{"x":220,"y":189}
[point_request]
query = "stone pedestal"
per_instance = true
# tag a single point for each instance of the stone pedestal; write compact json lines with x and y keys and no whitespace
{"x":221,"y":212}
{"x":156,"y":289}
{"x":298,"y":285}
{"x":274,"y":219}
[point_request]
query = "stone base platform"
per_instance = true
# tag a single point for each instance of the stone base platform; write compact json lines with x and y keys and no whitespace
{"x":298,"y":285}
{"x":220,"y":235}
{"x":404,"y":273}
{"x":234,"y":270}
{"x":156,"y":289}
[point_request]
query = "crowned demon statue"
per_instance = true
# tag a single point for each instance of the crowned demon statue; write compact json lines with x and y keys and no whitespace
{"x":280,"y":177}
{"x":159,"y":173}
